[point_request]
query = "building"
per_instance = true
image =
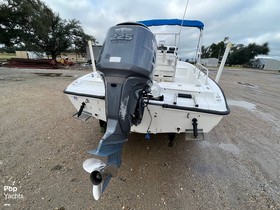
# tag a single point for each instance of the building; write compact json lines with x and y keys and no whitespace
{"x":74,"y":57}
{"x":213,"y":62}
{"x":30,"y":55}
{"x":266,"y":64}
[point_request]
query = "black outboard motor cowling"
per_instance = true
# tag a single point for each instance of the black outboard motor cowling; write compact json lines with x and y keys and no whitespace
{"x":129,"y":50}
{"x":126,"y":62}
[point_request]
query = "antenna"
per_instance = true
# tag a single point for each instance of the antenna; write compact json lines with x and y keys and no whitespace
{"x":182,"y":22}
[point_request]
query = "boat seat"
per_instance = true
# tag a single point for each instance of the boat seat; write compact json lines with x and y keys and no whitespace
{"x":171,"y":50}
{"x":165,"y":67}
{"x":162,"y":48}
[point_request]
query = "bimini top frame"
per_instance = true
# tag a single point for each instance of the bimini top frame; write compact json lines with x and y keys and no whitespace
{"x":182,"y":23}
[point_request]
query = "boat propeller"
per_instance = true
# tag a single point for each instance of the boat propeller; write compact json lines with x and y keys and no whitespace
{"x":100,"y":175}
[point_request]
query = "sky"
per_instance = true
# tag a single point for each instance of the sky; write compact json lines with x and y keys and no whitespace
{"x":243,"y":21}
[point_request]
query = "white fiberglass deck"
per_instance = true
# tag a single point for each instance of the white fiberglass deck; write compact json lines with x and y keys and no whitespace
{"x":188,"y":80}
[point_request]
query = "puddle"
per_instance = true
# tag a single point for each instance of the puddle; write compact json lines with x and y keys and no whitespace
{"x":230,"y":148}
{"x":53,"y":75}
{"x":67,"y":75}
{"x":243,"y":104}
{"x":49,"y":74}
{"x":252,"y":107}
{"x":247,"y":84}
{"x":204,"y":144}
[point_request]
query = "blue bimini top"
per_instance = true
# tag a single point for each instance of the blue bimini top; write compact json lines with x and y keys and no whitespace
{"x":172,"y":22}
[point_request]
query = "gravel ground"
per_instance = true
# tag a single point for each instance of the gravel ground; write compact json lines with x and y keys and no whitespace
{"x":237,"y":166}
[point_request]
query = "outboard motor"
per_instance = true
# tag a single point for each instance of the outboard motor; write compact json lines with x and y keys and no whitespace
{"x":126,"y":62}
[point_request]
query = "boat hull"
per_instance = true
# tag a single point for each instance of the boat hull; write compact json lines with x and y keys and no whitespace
{"x":157,"y":118}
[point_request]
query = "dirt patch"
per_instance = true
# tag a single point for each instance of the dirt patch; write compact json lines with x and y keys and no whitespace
{"x":237,"y":166}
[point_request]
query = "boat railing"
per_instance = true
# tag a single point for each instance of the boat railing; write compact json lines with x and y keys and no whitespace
{"x":201,"y":69}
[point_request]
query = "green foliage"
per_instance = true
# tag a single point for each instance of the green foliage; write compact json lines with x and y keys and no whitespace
{"x":239,"y":54}
{"x":214,"y":50}
{"x":12,"y":14}
{"x":32,"y":25}
{"x":80,"y":40}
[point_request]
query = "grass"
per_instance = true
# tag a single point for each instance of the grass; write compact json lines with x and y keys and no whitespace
{"x":5,"y":56}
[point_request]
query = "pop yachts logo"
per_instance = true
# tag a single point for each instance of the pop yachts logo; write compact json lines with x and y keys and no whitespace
{"x":11,"y":193}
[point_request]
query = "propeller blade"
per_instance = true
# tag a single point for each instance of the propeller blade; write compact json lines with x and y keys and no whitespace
{"x":97,"y":191}
{"x":93,"y":164}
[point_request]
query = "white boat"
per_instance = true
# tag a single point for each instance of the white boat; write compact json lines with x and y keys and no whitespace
{"x":141,"y":86}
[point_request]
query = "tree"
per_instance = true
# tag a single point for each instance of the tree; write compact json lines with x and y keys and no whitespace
{"x":33,"y":25}
{"x":214,"y":50}
{"x":80,"y":40}
{"x":205,"y":52}
{"x":13,"y":16}
{"x":241,"y":54}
